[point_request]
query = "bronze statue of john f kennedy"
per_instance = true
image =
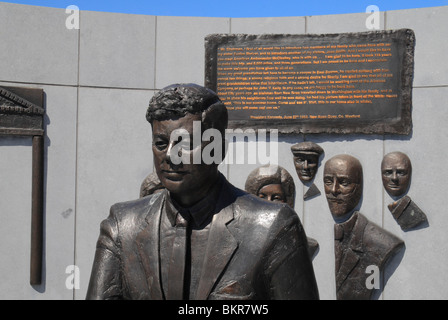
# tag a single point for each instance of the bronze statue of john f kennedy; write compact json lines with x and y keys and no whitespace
{"x":201,"y":237}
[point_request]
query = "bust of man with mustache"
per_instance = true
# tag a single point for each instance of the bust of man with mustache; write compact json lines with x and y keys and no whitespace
{"x":359,"y":243}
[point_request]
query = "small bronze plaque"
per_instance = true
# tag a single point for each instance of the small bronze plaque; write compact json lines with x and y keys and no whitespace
{"x":22,"y":114}
{"x":21,"y":111}
{"x":333,"y":83}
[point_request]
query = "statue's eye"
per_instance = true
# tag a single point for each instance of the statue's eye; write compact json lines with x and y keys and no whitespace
{"x":277,"y":197}
{"x":161,"y":145}
{"x":345,"y":182}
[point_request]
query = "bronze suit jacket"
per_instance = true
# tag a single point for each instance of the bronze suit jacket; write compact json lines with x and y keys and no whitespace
{"x":256,"y":250}
{"x":367,"y":244}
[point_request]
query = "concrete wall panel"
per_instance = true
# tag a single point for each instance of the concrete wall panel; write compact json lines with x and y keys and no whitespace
{"x":429,"y":24}
{"x":59,"y":205}
{"x":117,"y":50}
{"x":180,"y":48}
{"x":421,"y":274}
{"x":354,"y":22}
{"x":114,"y":156}
{"x":284,"y":25}
{"x":36,"y":45}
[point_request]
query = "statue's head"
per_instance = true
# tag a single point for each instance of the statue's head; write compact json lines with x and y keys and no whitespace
{"x":396,"y":172}
{"x":306,"y":159}
{"x":272,"y":183}
{"x":343,"y":181}
{"x":186,"y":120}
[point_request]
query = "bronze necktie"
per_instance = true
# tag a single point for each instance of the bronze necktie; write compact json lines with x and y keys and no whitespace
{"x":176,"y":274}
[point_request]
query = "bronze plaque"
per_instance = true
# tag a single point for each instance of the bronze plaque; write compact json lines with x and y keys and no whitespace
{"x":332,"y":83}
{"x":21,"y":111}
{"x":22,"y":114}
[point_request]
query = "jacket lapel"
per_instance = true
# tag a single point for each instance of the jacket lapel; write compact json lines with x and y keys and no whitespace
{"x":220,"y":248}
{"x":148,"y":247}
{"x":352,"y":255}
{"x":348,"y":263}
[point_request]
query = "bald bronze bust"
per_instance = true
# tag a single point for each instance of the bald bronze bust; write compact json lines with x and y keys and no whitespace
{"x":359,"y":243}
{"x":396,"y":173}
{"x":200,"y":237}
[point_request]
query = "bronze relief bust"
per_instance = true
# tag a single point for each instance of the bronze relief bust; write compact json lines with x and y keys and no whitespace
{"x":396,"y":173}
{"x":306,"y":157}
{"x":275,"y":183}
{"x":359,"y":243}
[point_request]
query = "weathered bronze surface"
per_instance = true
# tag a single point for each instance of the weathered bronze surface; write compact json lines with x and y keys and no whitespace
{"x":199,"y":238}
{"x":343,"y":181}
{"x":332,"y":83}
{"x":306,"y":161}
{"x":274,"y":183}
{"x":396,"y":172}
{"x":407,"y":214}
{"x":22,"y":114}
{"x":312,"y":192}
{"x":150,"y":185}
{"x":21,"y":111}
{"x":277,"y":178}
{"x":359,"y":243}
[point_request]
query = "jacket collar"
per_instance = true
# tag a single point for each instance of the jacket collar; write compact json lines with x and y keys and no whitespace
{"x":220,"y":246}
{"x":200,"y":213}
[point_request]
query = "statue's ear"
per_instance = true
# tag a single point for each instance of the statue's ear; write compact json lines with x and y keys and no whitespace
{"x":216,"y":117}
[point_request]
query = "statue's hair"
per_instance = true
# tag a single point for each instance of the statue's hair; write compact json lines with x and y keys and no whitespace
{"x":178,"y":100}
{"x":272,"y":174}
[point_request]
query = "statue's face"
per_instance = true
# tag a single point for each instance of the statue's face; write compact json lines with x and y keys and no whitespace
{"x":396,"y":173}
{"x":343,"y":185}
{"x":185,"y":180}
{"x":306,"y":165}
{"x":272,"y":192}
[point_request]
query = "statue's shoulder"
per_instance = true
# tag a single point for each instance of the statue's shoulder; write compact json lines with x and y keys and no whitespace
{"x":134,"y":209}
{"x":253,"y":207}
{"x":379,"y":238}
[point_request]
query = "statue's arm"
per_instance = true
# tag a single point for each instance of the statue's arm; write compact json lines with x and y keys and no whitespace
{"x":105,"y":280}
{"x":290,"y":270}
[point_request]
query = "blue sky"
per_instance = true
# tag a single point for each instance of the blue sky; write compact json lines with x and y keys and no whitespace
{"x":235,"y":8}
